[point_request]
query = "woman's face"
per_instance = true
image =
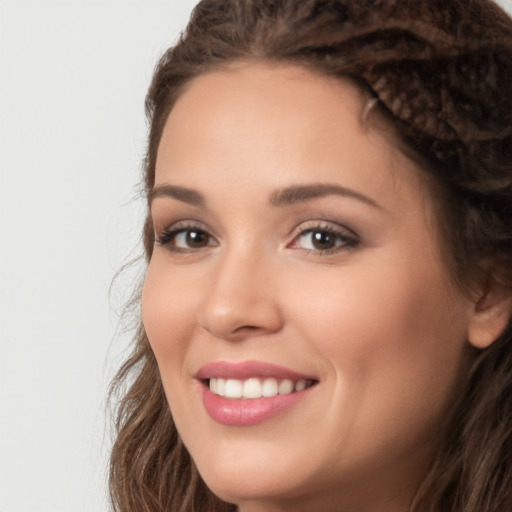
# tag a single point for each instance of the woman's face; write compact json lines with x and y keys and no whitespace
{"x":297,"y":263}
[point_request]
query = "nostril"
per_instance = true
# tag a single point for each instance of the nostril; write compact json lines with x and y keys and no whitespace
{"x":240,"y":317}
{"x":246,"y":329}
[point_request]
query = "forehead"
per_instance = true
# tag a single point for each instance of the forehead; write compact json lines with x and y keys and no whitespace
{"x":278,"y":123}
{"x":277,"y":94}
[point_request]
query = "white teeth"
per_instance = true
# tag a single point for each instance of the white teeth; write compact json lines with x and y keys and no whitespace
{"x":269,"y":388}
{"x":233,"y":388}
{"x":300,"y":385}
{"x":221,"y":386}
{"x":285,"y":387}
{"x":254,"y":387}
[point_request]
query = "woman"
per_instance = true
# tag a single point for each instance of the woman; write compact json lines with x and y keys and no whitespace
{"x":326,"y":311}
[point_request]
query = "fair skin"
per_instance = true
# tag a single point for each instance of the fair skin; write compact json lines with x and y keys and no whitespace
{"x":343,"y":283}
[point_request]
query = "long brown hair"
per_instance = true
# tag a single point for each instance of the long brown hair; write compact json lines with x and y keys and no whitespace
{"x":441,"y":73}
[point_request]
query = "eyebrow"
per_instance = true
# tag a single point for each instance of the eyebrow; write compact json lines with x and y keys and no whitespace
{"x":300,"y":193}
{"x":186,"y":195}
{"x":282,"y":197}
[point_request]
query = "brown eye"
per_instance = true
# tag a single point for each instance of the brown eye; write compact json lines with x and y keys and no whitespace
{"x":194,"y":239}
{"x":190,"y":239}
{"x":186,"y":239}
{"x":322,"y":240}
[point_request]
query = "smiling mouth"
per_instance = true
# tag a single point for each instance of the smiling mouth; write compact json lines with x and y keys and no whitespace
{"x":247,"y":393}
{"x":254,"y":387}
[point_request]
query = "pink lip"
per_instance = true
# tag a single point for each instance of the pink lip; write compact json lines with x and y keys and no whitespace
{"x":246,"y":370}
{"x":247,"y":411}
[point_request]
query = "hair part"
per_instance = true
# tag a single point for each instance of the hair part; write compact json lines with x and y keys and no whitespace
{"x":441,"y":74}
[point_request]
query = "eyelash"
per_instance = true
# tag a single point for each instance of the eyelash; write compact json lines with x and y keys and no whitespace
{"x":347,"y":239}
{"x":344,"y":238}
{"x":169,"y":235}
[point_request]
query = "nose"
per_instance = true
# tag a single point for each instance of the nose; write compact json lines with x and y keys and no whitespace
{"x":241,"y":300}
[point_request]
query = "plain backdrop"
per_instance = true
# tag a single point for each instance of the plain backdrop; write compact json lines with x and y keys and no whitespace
{"x":73,"y":76}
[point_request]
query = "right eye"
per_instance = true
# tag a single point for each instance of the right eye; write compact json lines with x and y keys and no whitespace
{"x":186,"y":239}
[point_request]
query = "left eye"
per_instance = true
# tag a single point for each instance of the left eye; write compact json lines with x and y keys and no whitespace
{"x":322,"y":240}
{"x":191,"y":239}
{"x":186,"y":239}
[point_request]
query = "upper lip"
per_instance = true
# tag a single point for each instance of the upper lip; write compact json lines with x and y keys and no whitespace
{"x":247,"y":369}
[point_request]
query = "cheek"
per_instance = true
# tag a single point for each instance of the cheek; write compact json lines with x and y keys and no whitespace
{"x":169,"y":318}
{"x":393,"y":340}
{"x":381,"y":305}
{"x":393,"y":330}
{"x":168,"y":312}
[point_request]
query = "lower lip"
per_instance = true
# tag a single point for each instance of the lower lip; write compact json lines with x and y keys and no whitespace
{"x":248,"y":411}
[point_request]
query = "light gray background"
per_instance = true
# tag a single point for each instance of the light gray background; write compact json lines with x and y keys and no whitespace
{"x":73,"y":75}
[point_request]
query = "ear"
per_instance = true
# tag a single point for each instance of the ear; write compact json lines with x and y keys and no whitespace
{"x":491,"y":315}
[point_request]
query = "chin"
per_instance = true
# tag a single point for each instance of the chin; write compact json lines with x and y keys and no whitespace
{"x":249,"y":482}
